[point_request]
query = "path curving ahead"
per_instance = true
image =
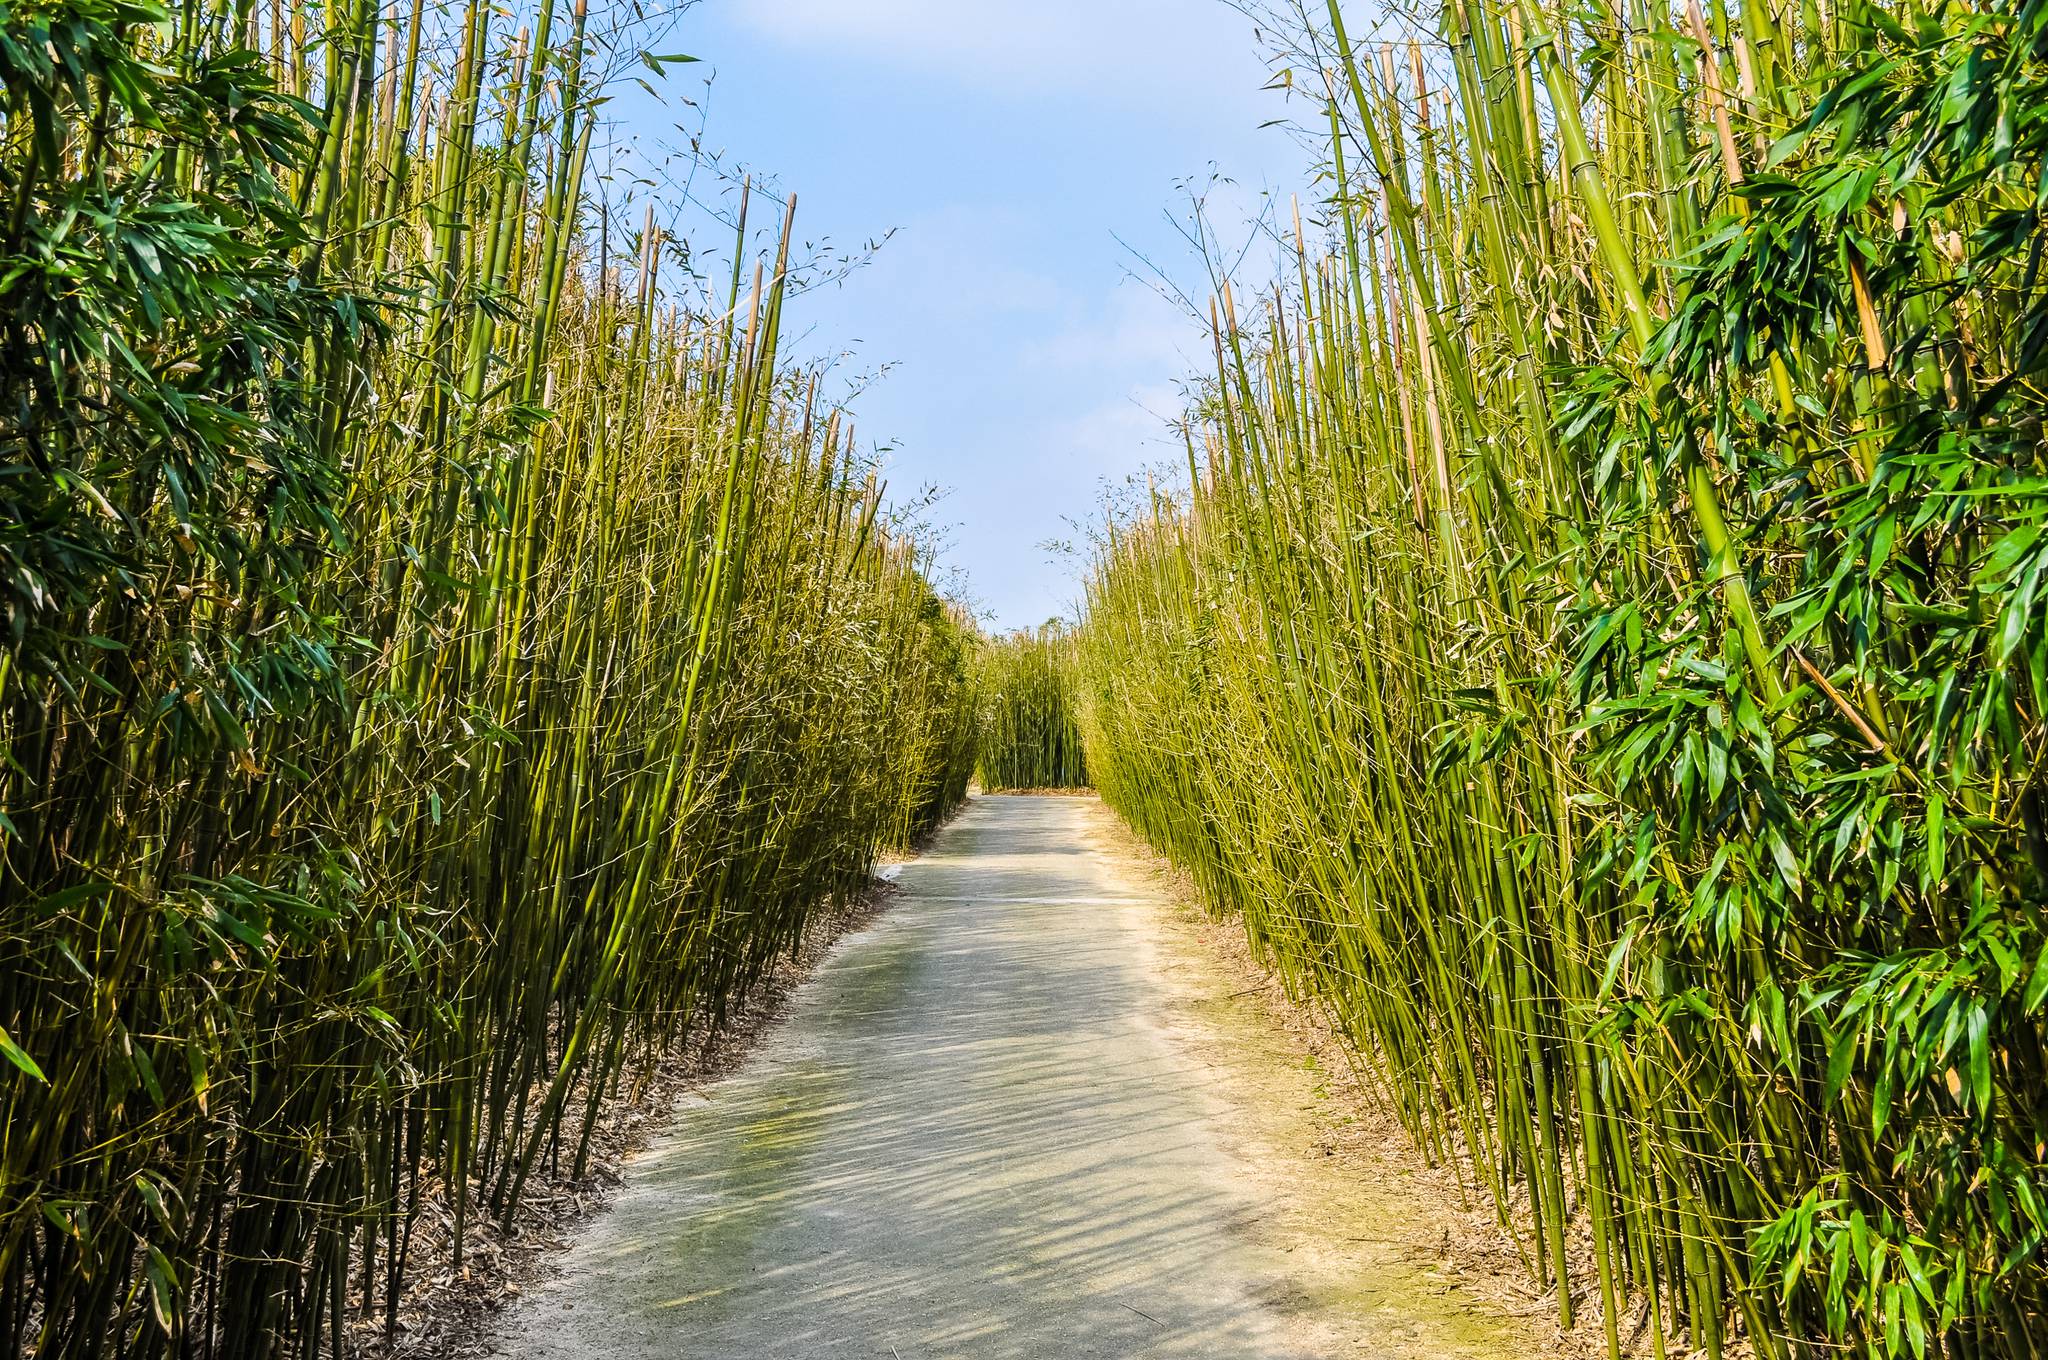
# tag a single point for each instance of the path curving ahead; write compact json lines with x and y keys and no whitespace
{"x":970,"y":1137}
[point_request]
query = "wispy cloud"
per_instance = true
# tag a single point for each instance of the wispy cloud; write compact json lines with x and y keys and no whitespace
{"x":1125,"y":435}
{"x":1133,"y":329}
{"x":1025,"y":151}
{"x":1114,"y":49}
{"x":963,"y":261}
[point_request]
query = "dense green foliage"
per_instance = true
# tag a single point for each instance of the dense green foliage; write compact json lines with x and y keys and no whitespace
{"x":440,"y":671}
{"x":1026,"y":724}
{"x":1603,"y":650}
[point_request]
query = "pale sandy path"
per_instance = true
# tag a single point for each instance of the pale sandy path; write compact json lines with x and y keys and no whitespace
{"x":972,"y":1136}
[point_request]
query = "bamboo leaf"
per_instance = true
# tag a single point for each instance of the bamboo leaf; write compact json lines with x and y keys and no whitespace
{"x":13,"y":1053}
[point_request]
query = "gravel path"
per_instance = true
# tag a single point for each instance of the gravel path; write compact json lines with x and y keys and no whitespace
{"x":971,"y":1137}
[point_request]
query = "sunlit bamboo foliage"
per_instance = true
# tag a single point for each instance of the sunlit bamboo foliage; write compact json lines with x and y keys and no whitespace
{"x":442,"y":668}
{"x":1601,"y":649}
{"x":1028,"y":736}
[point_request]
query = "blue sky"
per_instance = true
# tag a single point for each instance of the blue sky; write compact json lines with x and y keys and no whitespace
{"x":1008,"y":144}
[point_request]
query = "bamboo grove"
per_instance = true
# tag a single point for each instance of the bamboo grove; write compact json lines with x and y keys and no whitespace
{"x":443,"y":670}
{"x":1027,"y":732}
{"x":1601,"y":651}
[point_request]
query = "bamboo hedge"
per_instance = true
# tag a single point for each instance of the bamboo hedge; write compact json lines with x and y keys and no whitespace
{"x":1027,"y":732}
{"x":1601,"y":648}
{"x":442,"y":669}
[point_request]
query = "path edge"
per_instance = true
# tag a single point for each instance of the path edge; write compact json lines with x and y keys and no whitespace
{"x":446,"y":1315}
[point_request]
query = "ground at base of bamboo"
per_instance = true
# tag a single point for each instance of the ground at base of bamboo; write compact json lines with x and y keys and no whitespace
{"x":1394,"y":1258}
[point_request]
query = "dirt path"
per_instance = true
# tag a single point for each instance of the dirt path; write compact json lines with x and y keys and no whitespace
{"x":1015,"y":1119}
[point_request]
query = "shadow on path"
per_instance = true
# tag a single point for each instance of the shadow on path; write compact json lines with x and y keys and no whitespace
{"x":969,"y":1138}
